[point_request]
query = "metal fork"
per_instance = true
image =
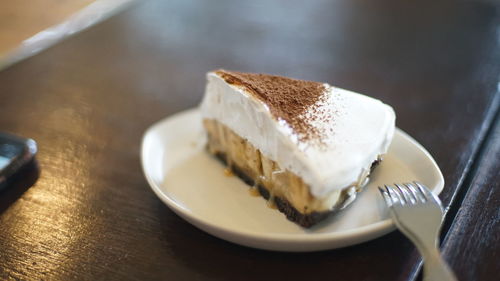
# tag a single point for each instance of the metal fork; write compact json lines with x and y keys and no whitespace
{"x":418,"y":213}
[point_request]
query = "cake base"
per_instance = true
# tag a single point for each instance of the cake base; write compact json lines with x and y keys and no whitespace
{"x":281,"y":188}
{"x":283,"y":205}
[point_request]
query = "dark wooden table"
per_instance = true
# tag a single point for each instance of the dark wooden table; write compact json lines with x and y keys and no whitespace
{"x":87,"y":102}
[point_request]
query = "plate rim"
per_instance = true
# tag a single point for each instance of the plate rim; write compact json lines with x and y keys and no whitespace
{"x":359,"y":234}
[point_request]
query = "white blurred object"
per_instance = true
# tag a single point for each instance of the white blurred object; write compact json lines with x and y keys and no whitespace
{"x":23,"y":37}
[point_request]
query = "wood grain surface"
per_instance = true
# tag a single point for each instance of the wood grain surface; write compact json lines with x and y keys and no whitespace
{"x":88,"y":100}
{"x":474,"y":237}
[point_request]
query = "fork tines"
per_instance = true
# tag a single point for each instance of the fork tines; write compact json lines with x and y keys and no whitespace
{"x":407,"y":193}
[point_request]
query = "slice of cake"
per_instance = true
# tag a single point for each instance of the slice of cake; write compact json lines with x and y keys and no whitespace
{"x":306,"y":146}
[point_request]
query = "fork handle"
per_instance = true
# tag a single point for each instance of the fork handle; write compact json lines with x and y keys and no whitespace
{"x":435,"y":268}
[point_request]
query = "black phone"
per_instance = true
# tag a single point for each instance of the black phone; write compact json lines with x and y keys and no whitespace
{"x":15,"y":153}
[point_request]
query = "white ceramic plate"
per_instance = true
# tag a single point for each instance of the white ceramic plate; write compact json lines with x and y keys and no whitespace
{"x":194,"y":186}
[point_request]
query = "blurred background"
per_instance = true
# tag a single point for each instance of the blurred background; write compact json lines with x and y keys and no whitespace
{"x":156,"y":53}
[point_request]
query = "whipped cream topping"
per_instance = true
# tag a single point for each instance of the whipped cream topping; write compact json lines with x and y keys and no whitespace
{"x":352,"y":130}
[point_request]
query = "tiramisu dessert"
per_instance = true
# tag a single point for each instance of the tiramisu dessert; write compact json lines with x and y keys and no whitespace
{"x":305,"y":146}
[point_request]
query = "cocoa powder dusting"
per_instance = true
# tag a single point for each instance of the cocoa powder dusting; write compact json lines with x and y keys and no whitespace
{"x":287,"y":98}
